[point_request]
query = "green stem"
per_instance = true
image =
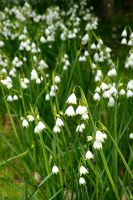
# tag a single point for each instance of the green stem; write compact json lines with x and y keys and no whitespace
{"x":55,"y":194}
{"x":44,"y":153}
{"x":109,"y":175}
{"x":71,"y":73}
{"x":41,"y":184}
{"x":116,"y":140}
{"x":97,"y":179}
{"x":92,"y":121}
{"x":15,"y":157}
{"x":122,"y":157}
{"x":10,"y":117}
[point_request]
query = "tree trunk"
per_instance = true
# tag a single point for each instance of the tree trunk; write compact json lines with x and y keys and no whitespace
{"x":107,"y":8}
{"x":128,"y":4}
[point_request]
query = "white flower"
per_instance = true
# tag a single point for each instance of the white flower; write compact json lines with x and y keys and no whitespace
{"x":85,"y":116}
{"x":129,"y":93}
{"x":56,"y":129}
{"x":7,"y":82}
{"x":4,"y":71}
{"x":130,"y":43}
{"x":98,"y":46}
{"x":9,"y":98}
{"x":86,"y":53}
{"x":111,"y":102}
{"x":131,"y":135}
{"x":24,"y":83}
{"x":62,"y":37}
{"x":80,"y":128}
{"x":130,"y":85}
{"x":70,"y":111}
{"x":108,"y":50}
{"x":112,"y":72}
{"x":65,"y":68}
{"x":83,"y":170}
{"x":42,"y":40}
{"x":99,"y":139}
{"x":38,"y":81}
{"x":96,"y":97}
{"x":98,"y":76}
{"x":93,"y":46}
{"x":85,"y":39}
{"x":100,"y":136}
{"x":67,"y":63}
{"x":100,"y":41}
{"x":101,"y":59}
{"x":113,"y":90}
{"x":30,"y":118}
{"x":82,"y":58}
{"x":36,"y":129}
{"x":47,"y":97}
{"x":39,"y":127}
{"x":124,"y":33}
{"x":106,"y":94}
{"x":96,"y":57}
{"x":93,"y":66}
{"x":25,"y":123}
{"x":57,"y":79}
{"x":131,"y":35}
{"x":72,"y":99}
{"x":15,"y":97}
{"x":59,"y":122}
{"x":98,"y":89}
{"x":12,"y":72}
{"x":124,"y":41}
{"x":127,"y":65}
{"x":89,"y":138}
{"x":55,"y":169}
{"x":47,"y":32}
{"x":42,"y":65}
{"x":34,"y":75}
{"x":81,"y":110}
{"x":52,"y":94}
{"x":89,"y":155}
{"x":122,"y":92}
{"x":82,"y":181}
{"x":104,"y":86}
{"x":54,"y":88}
{"x":97,"y":144}
{"x":2,"y":43}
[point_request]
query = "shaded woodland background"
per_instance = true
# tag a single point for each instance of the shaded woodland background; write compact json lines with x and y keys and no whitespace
{"x":113,"y":17}
{"x":104,"y":8}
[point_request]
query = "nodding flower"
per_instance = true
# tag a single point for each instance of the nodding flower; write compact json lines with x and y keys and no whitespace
{"x":72,"y":99}
{"x":83,"y":170}
{"x":55,"y":169}
{"x":70,"y":111}
{"x":82,"y":181}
